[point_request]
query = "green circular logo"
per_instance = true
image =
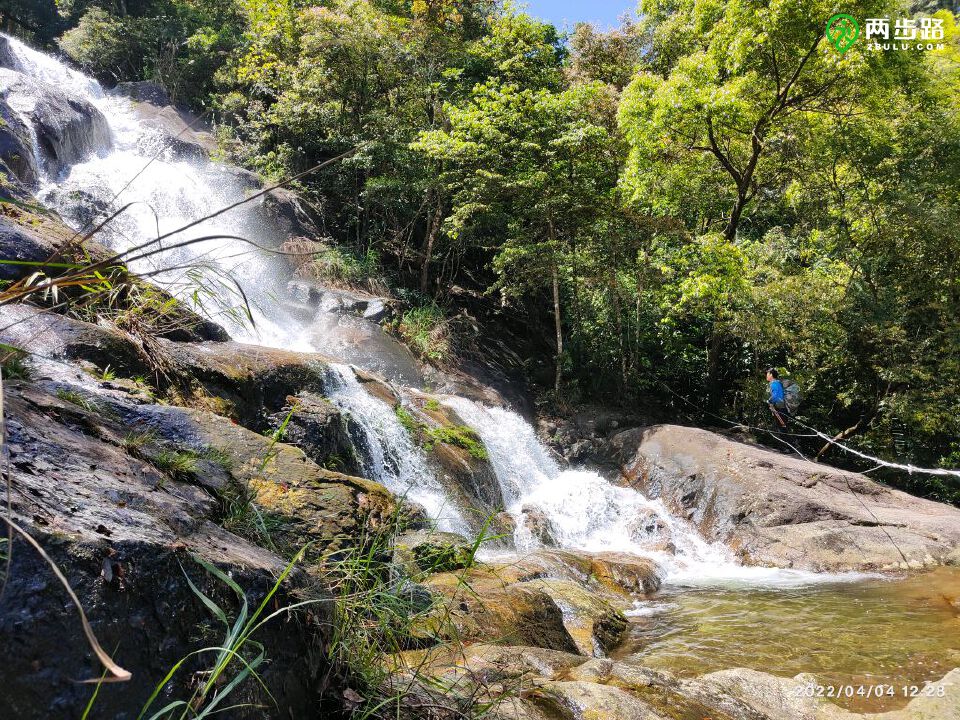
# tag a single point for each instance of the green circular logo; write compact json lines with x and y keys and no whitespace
{"x":842,"y":31}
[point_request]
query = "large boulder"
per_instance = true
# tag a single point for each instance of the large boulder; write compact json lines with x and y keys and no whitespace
{"x":125,"y":530}
{"x":16,"y":147}
{"x":67,"y":128}
{"x":549,"y":599}
{"x":246,"y":382}
{"x":782,"y":511}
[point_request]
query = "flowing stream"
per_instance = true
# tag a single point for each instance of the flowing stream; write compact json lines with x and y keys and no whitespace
{"x":713,"y":613}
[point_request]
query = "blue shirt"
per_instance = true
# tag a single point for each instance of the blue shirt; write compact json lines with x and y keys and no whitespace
{"x":776,"y":391}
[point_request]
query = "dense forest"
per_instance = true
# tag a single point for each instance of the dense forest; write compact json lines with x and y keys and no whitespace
{"x":666,"y":207}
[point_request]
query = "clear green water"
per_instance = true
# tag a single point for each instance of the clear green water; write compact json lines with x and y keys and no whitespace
{"x":895,"y":632}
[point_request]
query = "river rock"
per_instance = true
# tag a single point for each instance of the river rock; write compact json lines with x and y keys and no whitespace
{"x":421,"y":552}
{"x":759,"y":695}
{"x":621,"y":573}
{"x":7,"y":58}
{"x":319,"y":428}
{"x":595,"y":625}
{"x":537,"y":523}
{"x":480,"y":606}
{"x":68,"y":129}
{"x":783,"y":511}
{"x":124,"y":534}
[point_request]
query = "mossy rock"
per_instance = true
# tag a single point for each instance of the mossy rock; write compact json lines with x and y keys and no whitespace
{"x":424,"y":551}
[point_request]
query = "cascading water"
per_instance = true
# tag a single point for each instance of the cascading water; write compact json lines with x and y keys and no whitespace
{"x":167,"y":194}
{"x":587,"y":512}
{"x":164,"y":194}
{"x":390,"y":455}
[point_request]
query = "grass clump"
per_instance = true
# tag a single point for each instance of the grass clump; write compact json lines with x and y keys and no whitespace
{"x":461,"y":436}
{"x":425,"y":330}
{"x":138,"y":439}
{"x":84,"y":403}
{"x":337,"y":267}
{"x":178,"y":464}
{"x":13,"y":363}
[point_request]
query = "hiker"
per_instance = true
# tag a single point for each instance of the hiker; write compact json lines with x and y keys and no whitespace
{"x":778,"y":398}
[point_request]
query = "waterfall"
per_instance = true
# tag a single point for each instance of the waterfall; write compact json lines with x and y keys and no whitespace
{"x":389,"y":454}
{"x":575,"y":509}
{"x":584,"y":511}
{"x":164,"y":194}
{"x":167,"y":194}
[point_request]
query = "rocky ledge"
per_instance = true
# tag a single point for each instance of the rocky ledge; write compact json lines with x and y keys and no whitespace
{"x":781,"y":511}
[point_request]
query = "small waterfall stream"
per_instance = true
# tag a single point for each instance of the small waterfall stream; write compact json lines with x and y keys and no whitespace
{"x":389,"y":453}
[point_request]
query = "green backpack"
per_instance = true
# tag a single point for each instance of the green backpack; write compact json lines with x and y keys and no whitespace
{"x":792,"y":396}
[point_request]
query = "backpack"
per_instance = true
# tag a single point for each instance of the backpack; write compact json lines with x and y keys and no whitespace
{"x":792,"y":396}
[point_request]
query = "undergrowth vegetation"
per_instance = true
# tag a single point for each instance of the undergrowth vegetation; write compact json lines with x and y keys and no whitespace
{"x":425,"y":329}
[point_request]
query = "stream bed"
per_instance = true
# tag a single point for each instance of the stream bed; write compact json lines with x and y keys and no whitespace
{"x":893,"y":632}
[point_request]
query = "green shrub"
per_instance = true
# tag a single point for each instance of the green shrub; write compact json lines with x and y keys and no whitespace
{"x":340,"y":268}
{"x":425,"y":330}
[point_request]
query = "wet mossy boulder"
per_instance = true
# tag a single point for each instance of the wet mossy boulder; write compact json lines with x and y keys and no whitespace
{"x":319,"y":428}
{"x":421,"y":552}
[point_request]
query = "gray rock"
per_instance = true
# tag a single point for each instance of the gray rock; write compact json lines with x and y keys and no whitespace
{"x":538,"y":525}
{"x":290,"y":214}
{"x":67,"y":128}
{"x":145,"y":91}
{"x":779,"y":510}
{"x":7,"y":58}
{"x":16,"y":146}
{"x":125,"y":537}
{"x":317,"y":427}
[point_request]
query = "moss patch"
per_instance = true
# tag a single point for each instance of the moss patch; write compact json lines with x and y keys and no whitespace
{"x":460,"y":436}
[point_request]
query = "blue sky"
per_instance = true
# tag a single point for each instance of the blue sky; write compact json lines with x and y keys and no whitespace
{"x":602,"y":12}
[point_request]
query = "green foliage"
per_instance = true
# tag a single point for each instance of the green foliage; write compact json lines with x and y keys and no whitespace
{"x":426,"y":332}
{"x":341,"y":268}
{"x":681,"y":201}
{"x":178,"y":43}
{"x":379,"y":615}
{"x":459,"y":435}
{"x":179,"y":464}
{"x":13,"y":363}
{"x":236,"y":657}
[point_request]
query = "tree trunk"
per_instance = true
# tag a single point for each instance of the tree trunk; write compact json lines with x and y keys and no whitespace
{"x":555,"y":282}
{"x":559,"y":329}
{"x":433,"y":227}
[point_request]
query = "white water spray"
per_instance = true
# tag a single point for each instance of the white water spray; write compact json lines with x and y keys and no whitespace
{"x":166,"y":193}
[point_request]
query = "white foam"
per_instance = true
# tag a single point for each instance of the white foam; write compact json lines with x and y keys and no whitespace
{"x":587,"y":512}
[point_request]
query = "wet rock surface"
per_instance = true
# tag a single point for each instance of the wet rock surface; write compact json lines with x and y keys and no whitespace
{"x":124,"y":531}
{"x":782,"y":511}
{"x":67,"y":128}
